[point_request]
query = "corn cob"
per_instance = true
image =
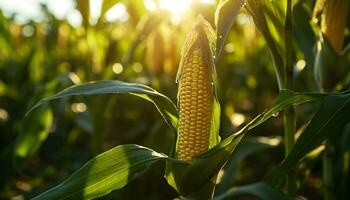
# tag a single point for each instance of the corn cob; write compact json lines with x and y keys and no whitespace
{"x":195,"y":93}
{"x":329,"y":67}
{"x":333,"y":15}
{"x":334,"y":22}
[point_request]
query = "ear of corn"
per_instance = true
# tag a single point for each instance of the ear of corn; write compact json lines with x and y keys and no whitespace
{"x":196,"y":92}
{"x":329,"y":67}
{"x":333,"y":14}
{"x":334,"y":22}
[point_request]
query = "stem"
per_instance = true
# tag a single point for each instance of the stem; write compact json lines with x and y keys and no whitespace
{"x":328,"y":172}
{"x":284,"y":73}
{"x":289,"y":115}
{"x":288,"y":45}
{"x":289,"y":130}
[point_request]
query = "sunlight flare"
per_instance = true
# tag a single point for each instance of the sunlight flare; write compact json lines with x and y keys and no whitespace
{"x":177,"y":8}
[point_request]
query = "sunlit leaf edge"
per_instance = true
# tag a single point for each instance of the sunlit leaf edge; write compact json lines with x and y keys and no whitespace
{"x":163,"y":104}
{"x":106,"y":172}
{"x":186,"y":178}
{"x":311,"y":138}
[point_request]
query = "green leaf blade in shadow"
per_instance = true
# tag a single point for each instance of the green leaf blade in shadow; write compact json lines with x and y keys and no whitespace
{"x":189,"y":178}
{"x":328,"y":121}
{"x":108,"y":171}
{"x":163,"y":104}
{"x":225,"y":15}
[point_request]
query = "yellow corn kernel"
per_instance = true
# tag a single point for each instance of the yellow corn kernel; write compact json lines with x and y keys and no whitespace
{"x":195,"y":96}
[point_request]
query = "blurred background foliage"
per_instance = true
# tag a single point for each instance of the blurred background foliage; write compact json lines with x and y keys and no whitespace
{"x":135,"y":41}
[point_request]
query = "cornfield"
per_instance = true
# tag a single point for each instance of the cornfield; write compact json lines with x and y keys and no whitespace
{"x":165,"y":99}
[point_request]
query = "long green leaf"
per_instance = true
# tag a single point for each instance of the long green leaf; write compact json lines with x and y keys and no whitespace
{"x":108,"y":171}
{"x":288,"y":98}
{"x":260,"y":190}
{"x":117,"y":167}
{"x":304,"y":35}
{"x":225,"y":15}
{"x":248,"y":146}
{"x":188,"y":178}
{"x":164,"y":105}
{"x":328,"y":121}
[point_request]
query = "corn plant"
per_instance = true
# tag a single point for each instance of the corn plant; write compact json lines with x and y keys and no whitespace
{"x":198,"y":153}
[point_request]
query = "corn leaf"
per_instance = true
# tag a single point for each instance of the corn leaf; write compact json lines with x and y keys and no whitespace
{"x":164,"y":105}
{"x":288,"y":98}
{"x":108,"y":171}
{"x":248,"y":146}
{"x":225,"y":15}
{"x":117,"y":167}
{"x":189,"y":178}
{"x":215,"y":123}
{"x":329,"y":121}
{"x":260,"y":190}
{"x":304,"y":35}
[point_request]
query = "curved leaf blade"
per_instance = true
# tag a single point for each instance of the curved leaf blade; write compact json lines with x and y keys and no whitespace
{"x":248,"y":146}
{"x":225,"y":15}
{"x":304,"y":35}
{"x":108,"y":171}
{"x":328,"y":121}
{"x":188,"y":178}
{"x":164,"y":105}
{"x":287,"y":98}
